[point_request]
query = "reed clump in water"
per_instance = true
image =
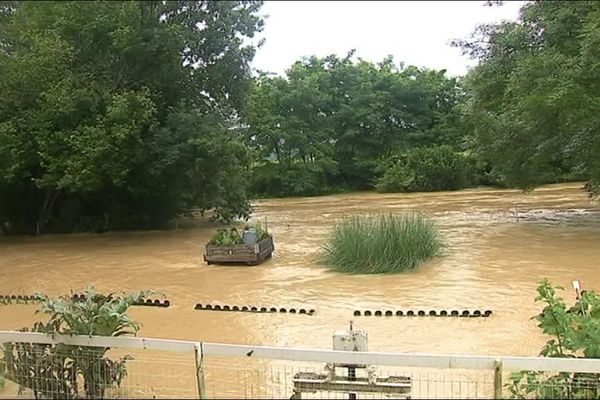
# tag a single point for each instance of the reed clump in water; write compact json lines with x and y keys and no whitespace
{"x":381,"y":244}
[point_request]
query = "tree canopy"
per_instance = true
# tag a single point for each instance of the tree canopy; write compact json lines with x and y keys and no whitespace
{"x":122,"y":110}
{"x":534,"y":96}
{"x":331,"y":121}
{"x":125,"y":114}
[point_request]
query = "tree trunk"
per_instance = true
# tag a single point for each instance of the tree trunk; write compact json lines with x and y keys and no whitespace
{"x":49,"y":201}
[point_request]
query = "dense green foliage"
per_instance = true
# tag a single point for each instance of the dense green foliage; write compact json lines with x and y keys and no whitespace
{"x":381,"y":244}
{"x":118,"y":114}
{"x":426,"y":169}
{"x":535,"y":95}
{"x":73,"y":372}
{"x":330,"y":122}
{"x":576,"y":334}
{"x":525,"y":115}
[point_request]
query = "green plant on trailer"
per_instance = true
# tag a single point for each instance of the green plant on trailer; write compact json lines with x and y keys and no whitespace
{"x":262,"y":230}
{"x":227,"y":236}
{"x":231,"y":235}
{"x":381,"y":244}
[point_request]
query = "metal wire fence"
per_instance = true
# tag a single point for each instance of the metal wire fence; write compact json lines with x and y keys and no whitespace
{"x":76,"y":367}
{"x":43,"y":367}
{"x":551,"y":385}
{"x":271,"y":372}
{"x":46,"y":371}
{"x":232,"y":377}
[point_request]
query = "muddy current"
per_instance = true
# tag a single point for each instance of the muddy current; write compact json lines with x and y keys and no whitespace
{"x":500,"y":244}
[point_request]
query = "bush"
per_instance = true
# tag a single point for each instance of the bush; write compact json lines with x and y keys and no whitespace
{"x":357,"y":173}
{"x":397,"y":178}
{"x":381,"y":244}
{"x":575,"y":332}
{"x":294,"y":179}
{"x":426,"y":169}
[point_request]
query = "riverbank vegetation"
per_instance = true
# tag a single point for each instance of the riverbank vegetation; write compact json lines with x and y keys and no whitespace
{"x":522,"y":117}
{"x":340,"y":124}
{"x":381,"y":244}
{"x":534,"y":96}
{"x":120,"y":115}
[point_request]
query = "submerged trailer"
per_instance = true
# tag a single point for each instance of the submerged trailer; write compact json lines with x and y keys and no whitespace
{"x":249,"y":254}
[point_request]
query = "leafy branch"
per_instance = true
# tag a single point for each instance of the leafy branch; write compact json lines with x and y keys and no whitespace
{"x":576,"y":334}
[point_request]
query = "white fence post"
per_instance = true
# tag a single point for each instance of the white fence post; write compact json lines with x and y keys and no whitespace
{"x":200,"y":371}
{"x":497,"y":379}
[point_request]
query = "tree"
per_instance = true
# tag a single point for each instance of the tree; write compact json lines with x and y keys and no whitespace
{"x":122,"y":110}
{"x":330,"y":121}
{"x":534,"y":96}
{"x":425,"y":169}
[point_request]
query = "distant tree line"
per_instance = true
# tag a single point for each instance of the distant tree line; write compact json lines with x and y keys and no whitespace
{"x":120,"y":115}
{"x":526,"y":115}
{"x":337,"y":124}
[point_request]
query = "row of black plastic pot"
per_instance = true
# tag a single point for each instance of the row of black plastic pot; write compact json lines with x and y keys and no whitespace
{"x":287,"y":310}
{"x":23,"y":297}
{"x":423,"y":313}
{"x":81,"y":297}
{"x":143,"y":302}
{"x":253,"y":309}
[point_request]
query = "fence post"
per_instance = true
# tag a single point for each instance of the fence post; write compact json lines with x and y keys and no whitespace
{"x":497,"y":379}
{"x":199,"y":357}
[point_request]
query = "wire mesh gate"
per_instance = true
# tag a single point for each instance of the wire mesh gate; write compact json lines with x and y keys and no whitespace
{"x":40,"y":366}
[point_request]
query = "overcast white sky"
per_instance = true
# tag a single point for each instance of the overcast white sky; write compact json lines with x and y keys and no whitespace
{"x":417,"y":33}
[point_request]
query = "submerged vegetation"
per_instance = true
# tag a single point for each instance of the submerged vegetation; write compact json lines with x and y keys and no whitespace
{"x":382,"y":244}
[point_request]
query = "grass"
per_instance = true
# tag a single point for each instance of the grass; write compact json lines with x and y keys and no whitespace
{"x":381,"y":244}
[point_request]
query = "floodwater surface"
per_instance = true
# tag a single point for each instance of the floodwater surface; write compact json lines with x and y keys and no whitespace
{"x":501,"y":243}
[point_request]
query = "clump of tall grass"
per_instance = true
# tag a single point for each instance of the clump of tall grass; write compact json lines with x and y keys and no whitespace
{"x":381,"y":244}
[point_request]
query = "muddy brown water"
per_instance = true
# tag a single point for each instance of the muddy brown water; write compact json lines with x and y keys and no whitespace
{"x":493,"y":261}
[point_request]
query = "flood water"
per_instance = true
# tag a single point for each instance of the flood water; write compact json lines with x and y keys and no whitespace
{"x":495,"y":257}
